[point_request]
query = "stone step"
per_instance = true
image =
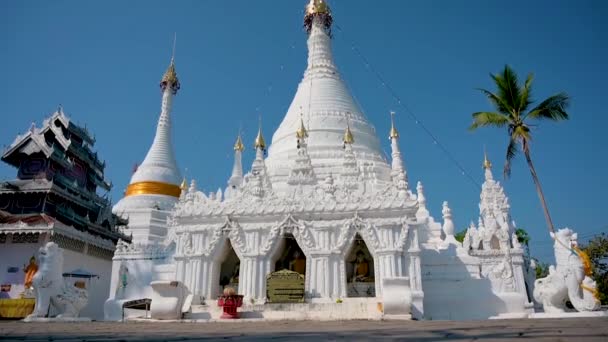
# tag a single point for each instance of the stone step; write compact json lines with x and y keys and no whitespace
{"x":351,"y":308}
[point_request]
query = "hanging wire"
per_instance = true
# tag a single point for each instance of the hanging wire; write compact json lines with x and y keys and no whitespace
{"x":411,"y":114}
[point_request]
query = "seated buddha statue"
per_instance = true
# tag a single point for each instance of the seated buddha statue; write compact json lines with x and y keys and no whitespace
{"x":235,"y":274}
{"x":298,"y":264}
{"x":30,"y":270}
{"x":361,"y":268}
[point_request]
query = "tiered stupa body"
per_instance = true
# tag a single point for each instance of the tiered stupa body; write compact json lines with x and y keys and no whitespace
{"x":324,"y":205}
{"x":327,"y":106}
{"x":156,"y":184}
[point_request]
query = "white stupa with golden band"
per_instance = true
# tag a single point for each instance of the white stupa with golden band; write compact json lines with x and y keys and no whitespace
{"x":155,"y":185}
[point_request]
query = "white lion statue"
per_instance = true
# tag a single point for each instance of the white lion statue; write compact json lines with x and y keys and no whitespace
{"x":50,"y":288}
{"x":569,"y":279}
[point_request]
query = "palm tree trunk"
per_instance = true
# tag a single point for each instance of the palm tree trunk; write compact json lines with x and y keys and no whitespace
{"x":539,"y":189}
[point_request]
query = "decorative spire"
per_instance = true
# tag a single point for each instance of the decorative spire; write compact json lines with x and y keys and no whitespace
{"x":236,"y":178}
{"x":170,"y":79}
{"x":184,"y":185}
{"x":398,"y":173}
{"x":348,"y":135}
{"x":238,"y":145}
{"x":317,"y":9}
{"x":301,"y":133}
{"x":259,"y":142}
{"x":393,"y":133}
{"x":158,"y":174}
{"x":422,"y":210}
{"x":487,"y":165}
{"x":448,"y":224}
{"x":486,"y":162}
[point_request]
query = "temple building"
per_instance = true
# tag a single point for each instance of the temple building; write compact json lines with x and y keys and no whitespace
{"x":55,"y":198}
{"x":321,"y":201}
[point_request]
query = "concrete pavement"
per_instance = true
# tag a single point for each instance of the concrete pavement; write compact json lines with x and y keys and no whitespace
{"x":577,"y":330}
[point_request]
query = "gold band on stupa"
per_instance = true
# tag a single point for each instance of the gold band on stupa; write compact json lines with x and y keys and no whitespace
{"x":153,"y":188}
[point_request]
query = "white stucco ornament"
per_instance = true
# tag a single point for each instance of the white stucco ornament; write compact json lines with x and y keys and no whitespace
{"x":568,"y":279}
{"x":51,"y":290}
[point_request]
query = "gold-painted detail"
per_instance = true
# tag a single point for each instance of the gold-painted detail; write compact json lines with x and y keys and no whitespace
{"x":184,"y":185}
{"x":153,"y":188}
{"x":317,"y":7}
{"x":238,"y":145}
{"x":394,"y":134}
{"x":348,"y":136}
{"x":259,"y":140}
{"x":302,"y":132}
{"x":170,"y":75}
{"x":486,"y":162}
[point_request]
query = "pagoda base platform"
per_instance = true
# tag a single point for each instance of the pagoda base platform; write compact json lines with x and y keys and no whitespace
{"x":56,"y":319}
{"x":348,"y":309}
{"x":569,"y":314}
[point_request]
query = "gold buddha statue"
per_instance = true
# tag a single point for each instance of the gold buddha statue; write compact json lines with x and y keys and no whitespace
{"x":361,"y":268}
{"x":30,"y":270}
{"x":298,"y":264}
{"x":234,"y":279}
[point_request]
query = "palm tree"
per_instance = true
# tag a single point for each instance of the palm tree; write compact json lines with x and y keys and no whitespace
{"x":511,"y":102}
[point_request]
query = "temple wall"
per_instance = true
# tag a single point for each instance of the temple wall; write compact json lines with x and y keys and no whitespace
{"x":97,"y":287}
{"x":18,"y":255}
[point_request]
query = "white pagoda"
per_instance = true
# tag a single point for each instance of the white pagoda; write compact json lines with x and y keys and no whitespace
{"x":324,"y":203}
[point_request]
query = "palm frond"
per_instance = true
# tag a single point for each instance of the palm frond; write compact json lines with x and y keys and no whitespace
{"x":525,"y":98}
{"x":511,"y":152}
{"x":497,"y":101}
{"x":482,"y":119}
{"x":553,"y":108}
{"x":508,"y":89}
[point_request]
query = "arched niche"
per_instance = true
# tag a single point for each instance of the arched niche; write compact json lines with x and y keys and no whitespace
{"x":360,"y":270}
{"x":288,"y":255}
{"x":226,"y":268}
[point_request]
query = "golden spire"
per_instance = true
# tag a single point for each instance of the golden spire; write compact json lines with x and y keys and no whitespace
{"x":301,"y":133}
{"x":317,"y":7}
{"x":320,"y":9}
{"x":393,"y":133}
{"x":170,"y":77}
{"x":238,"y":145}
{"x":348,"y":135}
{"x":486,"y":162}
{"x":184,"y":185}
{"x":259,"y":140}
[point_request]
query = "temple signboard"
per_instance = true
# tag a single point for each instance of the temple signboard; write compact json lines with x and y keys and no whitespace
{"x":285,"y":287}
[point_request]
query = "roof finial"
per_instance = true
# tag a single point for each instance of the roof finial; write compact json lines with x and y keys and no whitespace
{"x":486,"y":162}
{"x":259,"y":140}
{"x":174,"y":42}
{"x":170,"y":79}
{"x":238,"y":145}
{"x":301,"y":132}
{"x":393,"y":133}
{"x":317,"y":8}
{"x":348,"y":135}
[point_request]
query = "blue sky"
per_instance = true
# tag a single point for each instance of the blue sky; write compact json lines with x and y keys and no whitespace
{"x":103,"y":60}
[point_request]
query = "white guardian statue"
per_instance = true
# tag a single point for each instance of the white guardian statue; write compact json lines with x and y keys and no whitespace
{"x":51,"y":290}
{"x":569,"y":280}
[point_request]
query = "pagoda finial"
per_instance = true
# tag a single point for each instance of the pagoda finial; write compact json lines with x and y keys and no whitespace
{"x":238,"y":145}
{"x":486,"y":162}
{"x":184,"y":185}
{"x":394,"y":134}
{"x":170,"y":79}
{"x":301,"y":133}
{"x":259,"y":142}
{"x":320,"y":9}
{"x":348,"y":135}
